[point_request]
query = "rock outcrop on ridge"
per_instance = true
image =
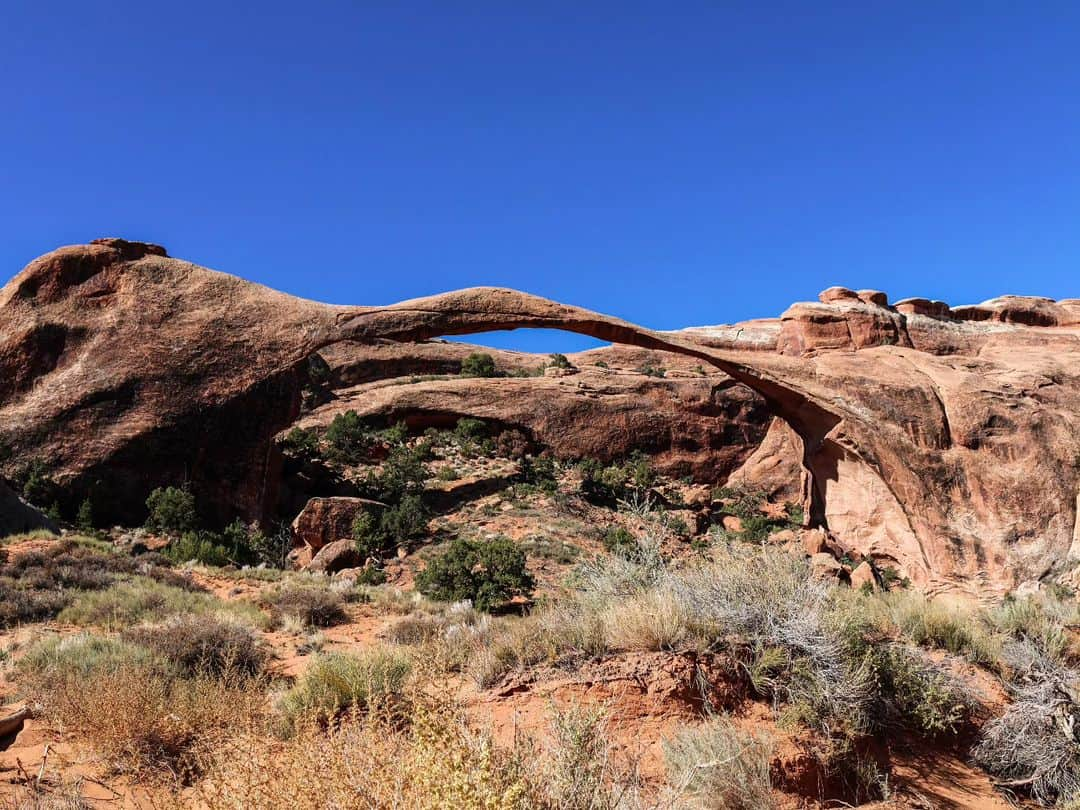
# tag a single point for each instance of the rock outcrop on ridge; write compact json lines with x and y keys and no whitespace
{"x":944,"y":440}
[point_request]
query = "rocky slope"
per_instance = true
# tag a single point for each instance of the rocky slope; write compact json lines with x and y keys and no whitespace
{"x":942,"y":440}
{"x":691,"y":422}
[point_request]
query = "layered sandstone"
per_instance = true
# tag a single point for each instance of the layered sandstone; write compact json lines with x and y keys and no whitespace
{"x":945,"y":440}
{"x":691,"y":422}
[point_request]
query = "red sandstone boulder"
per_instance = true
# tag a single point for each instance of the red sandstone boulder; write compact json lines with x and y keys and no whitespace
{"x":336,"y":556}
{"x":863,"y":576}
{"x":325,"y":520}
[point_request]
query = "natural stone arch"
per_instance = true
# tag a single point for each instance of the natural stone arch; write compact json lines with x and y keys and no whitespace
{"x":887,"y":475}
{"x":478,"y":310}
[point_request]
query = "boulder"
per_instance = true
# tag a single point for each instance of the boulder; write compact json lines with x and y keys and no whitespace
{"x":875,"y":297}
{"x":863,"y":575}
{"x":834,"y":294}
{"x":12,"y":719}
{"x":825,"y":566}
{"x":325,"y":520}
{"x":814,"y":541}
{"x":336,"y":556}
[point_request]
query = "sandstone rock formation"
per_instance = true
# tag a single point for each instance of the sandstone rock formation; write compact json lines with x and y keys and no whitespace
{"x":16,"y":516}
{"x":690,"y":422}
{"x":943,"y":440}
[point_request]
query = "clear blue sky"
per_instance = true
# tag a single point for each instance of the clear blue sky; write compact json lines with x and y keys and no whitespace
{"x":671,"y":163}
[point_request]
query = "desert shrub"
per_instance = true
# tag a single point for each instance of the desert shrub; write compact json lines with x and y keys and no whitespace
{"x":84,"y":518}
{"x":770,"y":602}
{"x":202,"y":646}
{"x":403,"y":473}
{"x":470,"y":430}
{"x":615,"y":482}
{"x":716,"y":765}
{"x":397,"y":433}
{"x":512,"y":444}
{"x":487,"y":573}
{"x":311,"y":603}
{"x":371,"y":575}
{"x":795,"y":513}
{"x":396,"y":526}
{"x":433,"y":759}
{"x":40,"y":584}
{"x":447,"y":474}
{"x":38,"y":488}
{"x":171,"y":511}
{"x":301,"y":442}
{"x":740,"y":500}
{"x":756,"y":528}
{"x":272,"y":549}
{"x":581,"y":772}
{"x":1033,"y":746}
{"x":559,"y":361}
{"x":541,"y":472}
{"x":404,"y":521}
{"x":478,"y":364}
{"x":201,"y":547}
{"x":141,"y":599}
{"x":919,"y":694}
{"x":336,"y":682}
{"x":619,"y":540}
{"x":19,"y":605}
{"x":348,"y":438}
{"x":550,"y":548}
{"x":1041,"y":620}
{"x":651,"y":370}
{"x":144,"y":719}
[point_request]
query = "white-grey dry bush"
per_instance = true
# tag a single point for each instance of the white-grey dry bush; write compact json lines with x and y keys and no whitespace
{"x":634,"y":569}
{"x":772,"y":604}
{"x":1035,"y":745}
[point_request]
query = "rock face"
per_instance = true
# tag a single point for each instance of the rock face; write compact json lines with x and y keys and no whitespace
{"x":944,"y":441}
{"x":122,"y":369}
{"x":690,"y":422}
{"x":16,"y":516}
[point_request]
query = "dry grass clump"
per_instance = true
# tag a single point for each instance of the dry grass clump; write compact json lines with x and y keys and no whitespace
{"x":313,"y":604}
{"x":1042,"y":620}
{"x":716,"y":766}
{"x":390,"y":599}
{"x":448,"y":640}
{"x":66,"y":796}
{"x":655,"y":619}
{"x":133,"y":707}
{"x":336,"y":683}
{"x":203,"y":646}
{"x":559,"y":632}
{"x":140,"y":600}
{"x":39,"y":584}
{"x":55,"y":659}
{"x":770,"y":605}
{"x":931,"y":623}
{"x":432,"y":758}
